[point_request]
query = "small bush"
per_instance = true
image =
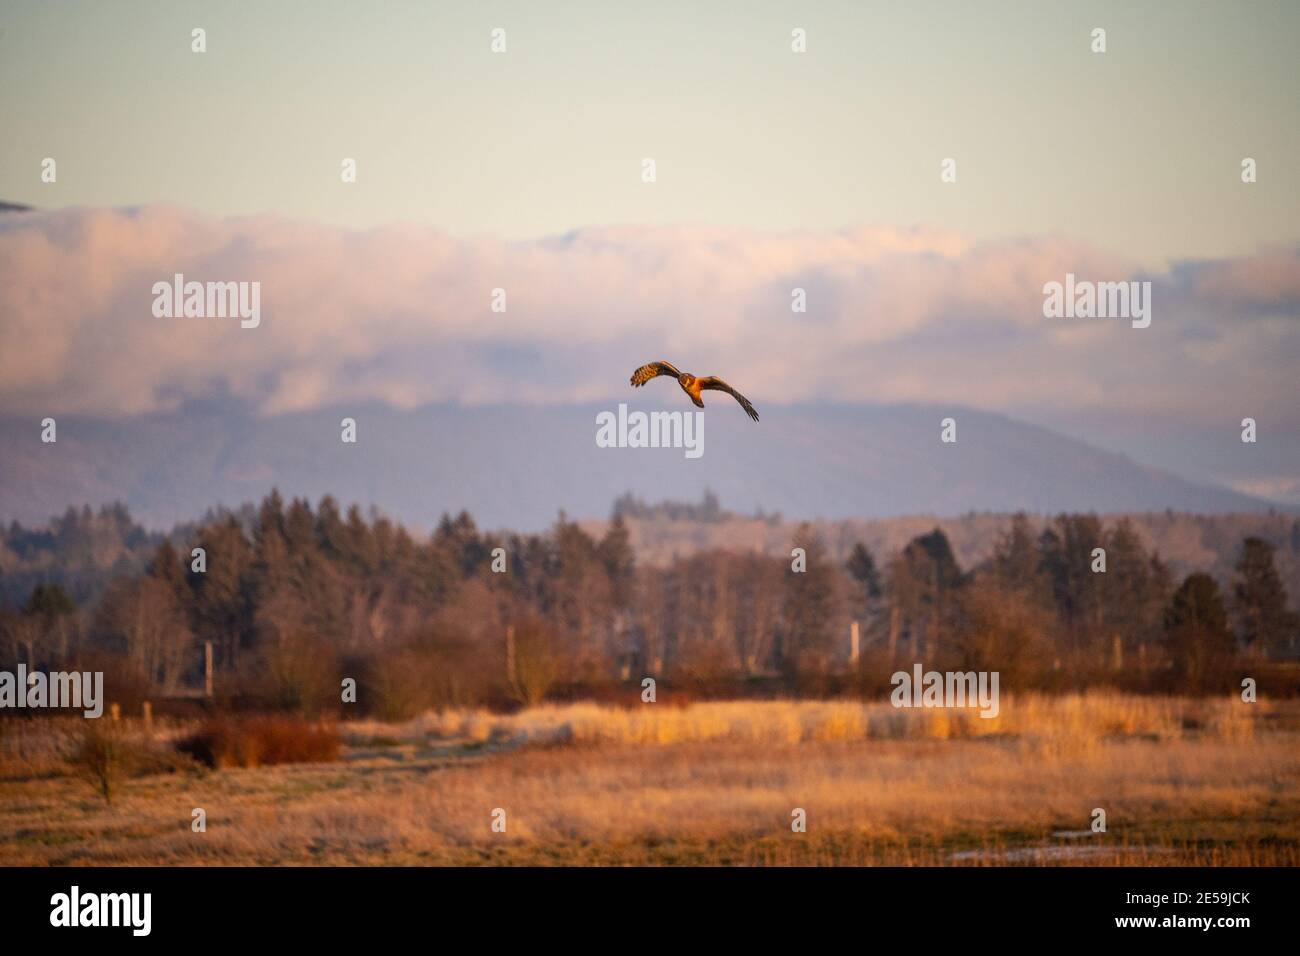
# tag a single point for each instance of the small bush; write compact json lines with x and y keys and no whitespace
{"x":102,"y":756}
{"x":261,"y":741}
{"x":534,"y":664}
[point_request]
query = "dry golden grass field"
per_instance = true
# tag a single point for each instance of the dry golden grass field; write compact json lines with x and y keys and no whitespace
{"x":1182,"y":782}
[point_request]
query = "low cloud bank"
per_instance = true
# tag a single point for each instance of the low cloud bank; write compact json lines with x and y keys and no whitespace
{"x":404,"y":315}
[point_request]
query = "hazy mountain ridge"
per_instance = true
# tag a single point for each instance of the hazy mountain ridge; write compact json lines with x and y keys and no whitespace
{"x":516,"y":467}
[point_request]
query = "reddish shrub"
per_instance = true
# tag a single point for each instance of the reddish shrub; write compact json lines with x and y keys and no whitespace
{"x":261,"y":741}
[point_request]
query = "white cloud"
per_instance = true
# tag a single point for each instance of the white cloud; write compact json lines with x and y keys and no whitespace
{"x":401,"y":315}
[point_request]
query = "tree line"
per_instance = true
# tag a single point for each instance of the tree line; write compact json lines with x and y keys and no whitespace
{"x":292,"y":599}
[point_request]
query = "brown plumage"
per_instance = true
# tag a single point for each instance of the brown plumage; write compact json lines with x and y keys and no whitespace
{"x":691,"y":385}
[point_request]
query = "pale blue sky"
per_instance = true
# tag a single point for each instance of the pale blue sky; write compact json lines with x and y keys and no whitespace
{"x":1136,"y":151}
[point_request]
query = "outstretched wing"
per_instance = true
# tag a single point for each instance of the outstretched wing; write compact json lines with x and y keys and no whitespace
{"x":653,"y":370}
{"x":713,"y":383}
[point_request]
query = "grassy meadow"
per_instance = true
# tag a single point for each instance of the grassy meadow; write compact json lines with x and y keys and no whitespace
{"x":1183,"y":781}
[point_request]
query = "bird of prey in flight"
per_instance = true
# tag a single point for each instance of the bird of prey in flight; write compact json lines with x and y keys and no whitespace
{"x":691,"y":385}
